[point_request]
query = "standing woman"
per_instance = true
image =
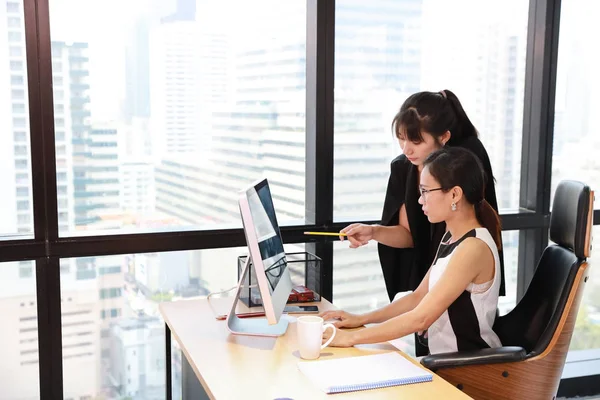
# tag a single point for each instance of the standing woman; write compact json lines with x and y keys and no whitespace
{"x":407,"y":241}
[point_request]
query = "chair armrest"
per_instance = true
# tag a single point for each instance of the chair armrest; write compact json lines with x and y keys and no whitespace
{"x":476,"y":357}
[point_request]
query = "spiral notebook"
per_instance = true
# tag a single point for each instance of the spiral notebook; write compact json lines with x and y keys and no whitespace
{"x":363,"y":372}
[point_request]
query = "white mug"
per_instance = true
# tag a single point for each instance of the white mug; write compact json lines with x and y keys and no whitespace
{"x":310,"y":335}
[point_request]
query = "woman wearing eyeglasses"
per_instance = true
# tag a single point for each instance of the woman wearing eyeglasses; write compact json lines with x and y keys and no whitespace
{"x":457,"y":299}
{"x":407,"y":241}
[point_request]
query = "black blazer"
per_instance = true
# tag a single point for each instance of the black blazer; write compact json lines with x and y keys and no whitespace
{"x":404,"y":269}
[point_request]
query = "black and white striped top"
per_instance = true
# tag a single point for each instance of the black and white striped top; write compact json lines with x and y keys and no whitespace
{"x":467,"y":323}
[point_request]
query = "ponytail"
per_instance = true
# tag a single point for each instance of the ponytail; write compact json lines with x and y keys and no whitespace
{"x":463,"y":128}
{"x":488,"y":217}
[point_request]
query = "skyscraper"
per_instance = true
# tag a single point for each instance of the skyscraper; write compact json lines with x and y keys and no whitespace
{"x":16,"y":205}
{"x":137,"y":69}
{"x":189,"y":61}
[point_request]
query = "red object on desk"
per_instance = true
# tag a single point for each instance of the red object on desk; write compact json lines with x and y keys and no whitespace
{"x":303,"y":293}
{"x":242,"y":315}
{"x":293,"y":297}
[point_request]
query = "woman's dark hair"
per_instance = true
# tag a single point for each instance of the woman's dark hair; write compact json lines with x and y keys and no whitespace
{"x":457,"y":166}
{"x":434,"y":113}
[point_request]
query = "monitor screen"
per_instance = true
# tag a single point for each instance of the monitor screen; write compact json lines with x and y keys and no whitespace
{"x":266,"y":259}
{"x":267,"y":232}
{"x":266,"y":248}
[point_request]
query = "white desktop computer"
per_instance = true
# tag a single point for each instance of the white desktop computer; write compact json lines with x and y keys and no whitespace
{"x":268,"y":259}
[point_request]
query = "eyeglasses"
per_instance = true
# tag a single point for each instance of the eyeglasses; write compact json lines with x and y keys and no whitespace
{"x":424,"y":191}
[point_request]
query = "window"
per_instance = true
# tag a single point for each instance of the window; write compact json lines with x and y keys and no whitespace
{"x":12,"y":7}
{"x":16,"y":66}
{"x":18,"y":94}
{"x":21,"y":164}
{"x":14,"y":22}
{"x":16,"y":80}
{"x":386,"y":51}
{"x":15,"y":51}
{"x":131,"y":318}
{"x":18,"y":108}
{"x":14,"y":37}
{"x":577,"y":86}
{"x":21,"y":178}
{"x":21,"y":150}
{"x":211,"y":134}
{"x":110,"y":293}
{"x":23,"y":219}
{"x":19,"y":365}
{"x":20,"y":136}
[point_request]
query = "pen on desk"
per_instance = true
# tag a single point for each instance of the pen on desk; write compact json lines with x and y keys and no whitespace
{"x":326,"y":233}
{"x":242,"y":315}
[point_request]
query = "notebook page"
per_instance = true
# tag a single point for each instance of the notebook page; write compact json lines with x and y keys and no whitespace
{"x":362,"y":371}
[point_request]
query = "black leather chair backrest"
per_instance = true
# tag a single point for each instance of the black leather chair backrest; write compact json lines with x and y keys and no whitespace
{"x":534,"y":320}
{"x":570,"y":219}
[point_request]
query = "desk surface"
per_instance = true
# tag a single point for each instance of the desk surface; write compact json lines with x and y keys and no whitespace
{"x":233,"y":366}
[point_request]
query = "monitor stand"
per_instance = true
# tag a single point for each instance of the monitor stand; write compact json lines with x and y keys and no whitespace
{"x":252,"y":326}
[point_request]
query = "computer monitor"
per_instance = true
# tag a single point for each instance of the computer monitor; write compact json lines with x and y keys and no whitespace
{"x":268,"y":260}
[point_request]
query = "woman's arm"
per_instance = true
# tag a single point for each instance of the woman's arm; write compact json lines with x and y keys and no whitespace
{"x":398,"y":236}
{"x":469,"y":260}
{"x":402,"y":237}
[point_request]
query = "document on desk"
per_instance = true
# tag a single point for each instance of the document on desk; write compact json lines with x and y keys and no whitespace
{"x":363,"y":372}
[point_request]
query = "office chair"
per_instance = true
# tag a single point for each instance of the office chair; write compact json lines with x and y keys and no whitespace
{"x":536,"y":334}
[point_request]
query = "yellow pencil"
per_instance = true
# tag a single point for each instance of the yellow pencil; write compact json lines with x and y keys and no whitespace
{"x":326,"y":233}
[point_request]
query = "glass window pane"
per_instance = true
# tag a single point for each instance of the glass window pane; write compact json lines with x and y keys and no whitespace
{"x":113,"y":335}
{"x":19,"y":364}
{"x":587,"y":327}
{"x":15,"y":154}
{"x":176,"y":108}
{"x":358,"y":284}
{"x":576,"y":138}
{"x":389,"y":49}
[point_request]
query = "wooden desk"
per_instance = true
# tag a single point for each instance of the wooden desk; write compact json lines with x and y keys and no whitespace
{"x":249,"y":367}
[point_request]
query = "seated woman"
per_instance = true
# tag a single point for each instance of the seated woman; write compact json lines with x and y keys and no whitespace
{"x":456,"y":301}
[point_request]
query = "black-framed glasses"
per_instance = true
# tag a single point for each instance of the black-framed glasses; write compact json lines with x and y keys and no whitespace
{"x":424,"y":191}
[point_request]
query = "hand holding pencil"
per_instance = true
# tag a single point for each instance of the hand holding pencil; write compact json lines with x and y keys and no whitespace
{"x":340,"y":234}
{"x":358,"y":234}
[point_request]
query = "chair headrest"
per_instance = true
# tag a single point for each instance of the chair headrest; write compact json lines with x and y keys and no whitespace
{"x":571,"y":218}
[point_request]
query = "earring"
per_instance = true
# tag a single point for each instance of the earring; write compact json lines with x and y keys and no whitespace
{"x":453,"y":206}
